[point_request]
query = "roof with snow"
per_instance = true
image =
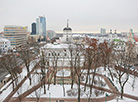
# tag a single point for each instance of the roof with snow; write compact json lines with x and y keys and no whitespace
{"x":3,"y":40}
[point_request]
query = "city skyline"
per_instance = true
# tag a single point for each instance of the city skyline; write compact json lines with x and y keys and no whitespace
{"x":84,"y":15}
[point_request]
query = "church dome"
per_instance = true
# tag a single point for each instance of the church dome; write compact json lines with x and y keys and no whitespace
{"x":67,"y":28}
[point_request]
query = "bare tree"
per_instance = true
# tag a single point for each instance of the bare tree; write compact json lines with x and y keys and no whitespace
{"x":63,"y":72}
{"x":19,"y":91}
{"x":43,"y":68}
{"x":78,"y":67}
{"x":37,"y":78}
{"x":54,"y":62}
{"x":134,"y":82}
{"x":72,"y":61}
{"x":9,"y":63}
{"x":123,"y":60}
{"x":25,"y":55}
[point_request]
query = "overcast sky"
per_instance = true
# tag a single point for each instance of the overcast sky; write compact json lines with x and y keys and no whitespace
{"x":83,"y":15}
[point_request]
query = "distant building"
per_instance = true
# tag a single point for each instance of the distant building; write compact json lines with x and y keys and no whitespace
{"x":33,"y":29}
{"x":41,"y":26}
{"x":50,"y":34}
{"x":34,"y":38}
{"x":16,"y":34}
{"x":103,"y":31}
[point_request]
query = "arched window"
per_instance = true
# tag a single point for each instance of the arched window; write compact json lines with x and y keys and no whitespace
{"x":49,"y":54}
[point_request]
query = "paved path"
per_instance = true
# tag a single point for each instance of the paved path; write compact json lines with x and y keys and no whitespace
{"x":110,"y":97}
{"x":7,"y":99}
{"x":22,"y":96}
{"x":111,"y":90}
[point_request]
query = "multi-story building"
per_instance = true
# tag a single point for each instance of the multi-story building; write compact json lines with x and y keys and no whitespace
{"x":16,"y":34}
{"x":41,"y":26}
{"x":5,"y":45}
{"x":103,"y":31}
{"x":33,"y":29}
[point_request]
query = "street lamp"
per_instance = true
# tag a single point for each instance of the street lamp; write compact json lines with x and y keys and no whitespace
{"x":49,"y":97}
{"x":106,"y":97}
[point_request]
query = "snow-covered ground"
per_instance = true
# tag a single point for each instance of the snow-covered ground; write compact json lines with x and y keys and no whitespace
{"x":56,"y":91}
{"x":9,"y":89}
{"x":128,"y":87}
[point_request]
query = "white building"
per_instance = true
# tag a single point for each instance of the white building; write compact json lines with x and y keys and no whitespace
{"x":60,"y":53}
{"x":67,"y":34}
{"x":5,"y":45}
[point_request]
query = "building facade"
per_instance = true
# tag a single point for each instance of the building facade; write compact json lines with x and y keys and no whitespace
{"x":41,"y":26}
{"x":67,"y":34}
{"x":16,"y":34}
{"x":61,"y":54}
{"x":5,"y":45}
{"x":33,"y":29}
{"x":103,"y":31}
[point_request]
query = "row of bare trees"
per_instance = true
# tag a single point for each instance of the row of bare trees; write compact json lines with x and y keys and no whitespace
{"x":103,"y":54}
{"x":87,"y":56}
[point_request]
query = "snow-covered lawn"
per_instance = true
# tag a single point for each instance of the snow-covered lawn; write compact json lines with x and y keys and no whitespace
{"x":56,"y":91}
{"x":128,"y":87}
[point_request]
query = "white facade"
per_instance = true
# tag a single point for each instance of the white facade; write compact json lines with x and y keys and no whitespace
{"x":5,"y":45}
{"x":59,"y":53}
{"x":67,"y":35}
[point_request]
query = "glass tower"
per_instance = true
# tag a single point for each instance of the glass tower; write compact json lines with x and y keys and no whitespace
{"x":41,"y":26}
{"x":33,"y":29}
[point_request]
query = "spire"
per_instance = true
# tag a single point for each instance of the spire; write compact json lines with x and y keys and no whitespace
{"x":67,"y":23}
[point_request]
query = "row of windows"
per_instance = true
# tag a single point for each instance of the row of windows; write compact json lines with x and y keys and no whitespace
{"x":3,"y":45}
{"x":58,"y":54}
{"x":3,"y":42}
{"x":13,"y":44}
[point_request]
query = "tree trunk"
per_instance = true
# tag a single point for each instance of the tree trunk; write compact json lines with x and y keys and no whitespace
{"x":44,"y":87}
{"x":122,"y":92}
{"x":79,"y":89}
{"x":12,"y":83}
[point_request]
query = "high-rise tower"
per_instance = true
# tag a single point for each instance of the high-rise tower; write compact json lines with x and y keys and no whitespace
{"x":33,"y":29}
{"x":103,"y":31}
{"x":41,"y":26}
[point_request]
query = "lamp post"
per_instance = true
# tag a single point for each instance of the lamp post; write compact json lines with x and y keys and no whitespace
{"x":49,"y":97}
{"x":106,"y":97}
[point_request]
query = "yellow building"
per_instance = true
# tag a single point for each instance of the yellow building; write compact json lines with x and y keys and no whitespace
{"x":16,"y":34}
